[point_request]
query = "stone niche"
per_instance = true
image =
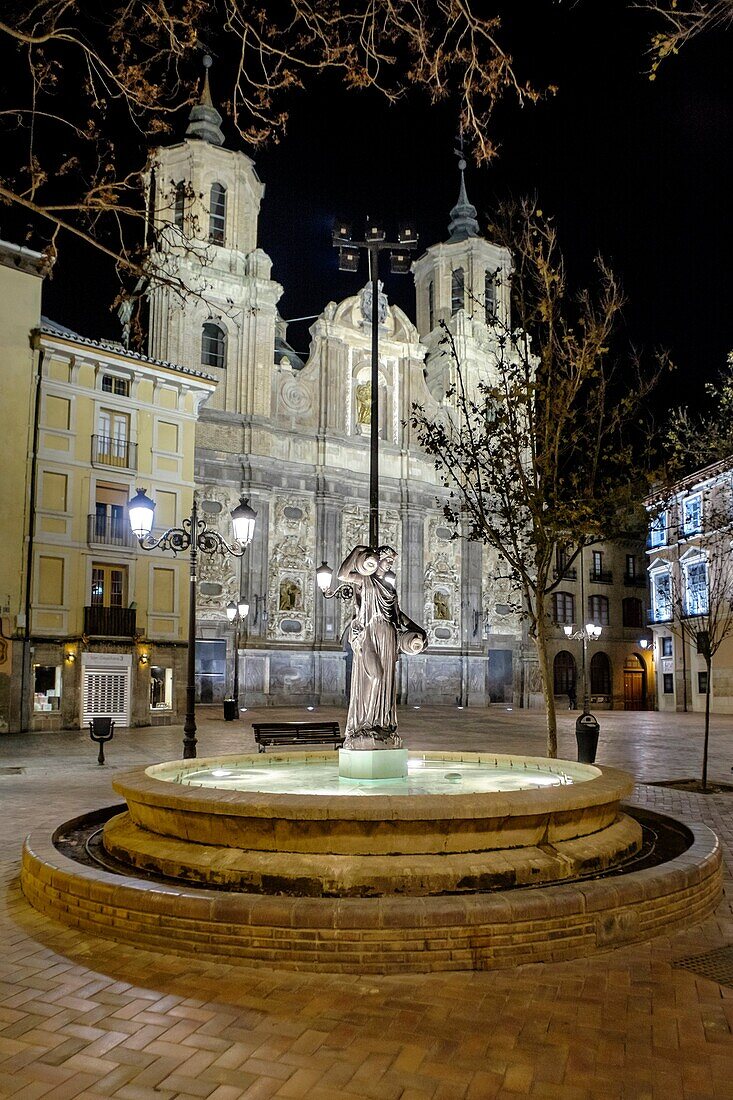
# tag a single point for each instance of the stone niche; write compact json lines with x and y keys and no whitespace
{"x":291,"y":570}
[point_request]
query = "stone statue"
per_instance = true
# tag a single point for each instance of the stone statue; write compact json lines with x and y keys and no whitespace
{"x":290,"y":596}
{"x":379,"y":631}
{"x":364,"y":403}
{"x":441,"y":605}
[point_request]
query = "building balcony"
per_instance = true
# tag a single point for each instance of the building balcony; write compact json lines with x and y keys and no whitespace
{"x":110,"y":451}
{"x":659,"y":615}
{"x":106,"y":531}
{"x":570,"y":574}
{"x":109,"y":622}
{"x":635,"y":580}
{"x":601,"y":576}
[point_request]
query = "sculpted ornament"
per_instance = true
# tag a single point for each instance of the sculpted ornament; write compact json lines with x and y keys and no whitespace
{"x":379,"y":631}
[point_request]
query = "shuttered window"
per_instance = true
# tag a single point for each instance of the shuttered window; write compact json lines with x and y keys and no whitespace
{"x":106,"y":694}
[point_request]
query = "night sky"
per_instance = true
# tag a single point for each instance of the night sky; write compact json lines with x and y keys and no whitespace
{"x":632,"y":169}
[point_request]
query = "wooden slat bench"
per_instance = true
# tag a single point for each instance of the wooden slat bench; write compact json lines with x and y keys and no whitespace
{"x":297,"y":733}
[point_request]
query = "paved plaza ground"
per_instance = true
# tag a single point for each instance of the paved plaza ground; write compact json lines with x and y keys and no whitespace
{"x":82,"y":1017}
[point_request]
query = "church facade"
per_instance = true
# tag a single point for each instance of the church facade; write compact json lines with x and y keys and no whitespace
{"x":294,"y":436}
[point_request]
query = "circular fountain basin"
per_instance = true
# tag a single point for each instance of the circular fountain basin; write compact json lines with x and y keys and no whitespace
{"x":286,"y":824}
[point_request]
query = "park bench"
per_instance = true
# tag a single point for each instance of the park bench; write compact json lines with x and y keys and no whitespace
{"x":297,"y":733}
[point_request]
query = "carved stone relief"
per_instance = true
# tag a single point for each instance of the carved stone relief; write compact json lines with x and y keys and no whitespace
{"x":501,"y":596}
{"x":218,"y":575}
{"x":442,"y":614}
{"x":291,"y":570}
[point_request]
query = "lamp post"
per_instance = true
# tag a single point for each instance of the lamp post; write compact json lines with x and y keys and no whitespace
{"x":193,"y":535}
{"x":374,"y":242}
{"x":236,"y":614}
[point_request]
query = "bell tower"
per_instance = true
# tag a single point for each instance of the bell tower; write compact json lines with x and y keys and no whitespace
{"x":463,"y":284}
{"x":213,"y":303}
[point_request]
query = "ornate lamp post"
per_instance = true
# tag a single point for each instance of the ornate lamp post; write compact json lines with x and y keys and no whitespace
{"x":193,"y":535}
{"x":236,"y":614}
{"x":374,"y":243}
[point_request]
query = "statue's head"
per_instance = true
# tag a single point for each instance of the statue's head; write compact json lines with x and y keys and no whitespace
{"x":387,"y":556}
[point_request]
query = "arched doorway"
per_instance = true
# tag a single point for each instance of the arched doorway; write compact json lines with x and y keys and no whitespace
{"x":564,"y":672}
{"x":635,"y":685}
{"x":600,"y":675}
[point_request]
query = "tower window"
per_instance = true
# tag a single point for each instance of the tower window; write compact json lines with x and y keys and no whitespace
{"x":179,"y":205}
{"x":458,"y":291}
{"x":213,"y":345}
{"x":431,"y":306}
{"x":490,"y":298}
{"x":217,"y":213}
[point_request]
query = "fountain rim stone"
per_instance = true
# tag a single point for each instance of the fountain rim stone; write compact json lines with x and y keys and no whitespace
{"x":601,"y":786}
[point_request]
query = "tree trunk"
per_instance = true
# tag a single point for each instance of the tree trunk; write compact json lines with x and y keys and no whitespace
{"x":548,"y":687}
{"x":708,"y":665}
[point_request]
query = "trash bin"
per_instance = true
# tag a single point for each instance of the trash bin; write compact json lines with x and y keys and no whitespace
{"x":230,"y":710}
{"x":586,"y":734}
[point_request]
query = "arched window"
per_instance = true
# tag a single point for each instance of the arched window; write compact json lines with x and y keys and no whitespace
{"x":490,"y":298}
{"x":217,"y":213}
{"x":213,"y":345}
{"x":600,"y":674}
{"x":632,"y":611}
{"x":431,"y":306}
{"x":598,"y":610}
{"x":458,"y":291}
{"x":564,"y":673}
{"x":179,"y":204}
{"x":563,"y":607}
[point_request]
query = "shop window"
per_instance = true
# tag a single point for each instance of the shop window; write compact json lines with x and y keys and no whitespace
{"x":46,"y":687}
{"x":161,"y":688}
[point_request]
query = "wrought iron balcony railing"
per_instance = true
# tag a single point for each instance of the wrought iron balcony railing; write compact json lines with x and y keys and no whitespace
{"x":601,"y":576}
{"x":635,"y":580}
{"x":109,"y":531}
{"x":109,"y":622}
{"x":107,"y":450}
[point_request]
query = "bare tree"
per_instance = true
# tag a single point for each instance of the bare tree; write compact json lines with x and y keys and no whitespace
{"x":681,"y":21}
{"x":87,"y":88}
{"x":701,"y":587}
{"x":540,"y":449}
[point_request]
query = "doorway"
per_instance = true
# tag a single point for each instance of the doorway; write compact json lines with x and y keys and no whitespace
{"x":635,"y":686}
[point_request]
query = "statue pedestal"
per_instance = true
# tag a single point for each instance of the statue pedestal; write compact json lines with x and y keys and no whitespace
{"x":372,"y":763}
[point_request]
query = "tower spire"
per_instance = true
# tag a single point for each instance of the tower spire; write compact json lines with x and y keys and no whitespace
{"x":204,"y":121}
{"x":463,"y":223}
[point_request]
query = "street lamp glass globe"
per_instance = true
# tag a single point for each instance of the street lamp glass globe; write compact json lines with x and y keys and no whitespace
{"x":141,"y":510}
{"x":231,"y":611}
{"x":568,"y":630}
{"x":243,"y":609}
{"x":243,"y":522}
{"x":324,"y":575}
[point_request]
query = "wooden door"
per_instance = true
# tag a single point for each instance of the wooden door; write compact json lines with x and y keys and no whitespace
{"x":633,"y":689}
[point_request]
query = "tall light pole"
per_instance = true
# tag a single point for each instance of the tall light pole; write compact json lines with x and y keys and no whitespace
{"x":374,"y":242}
{"x":236,"y":614}
{"x":193,"y":535}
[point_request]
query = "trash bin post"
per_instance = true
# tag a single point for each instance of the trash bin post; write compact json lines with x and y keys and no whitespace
{"x":101,"y":731}
{"x":231,"y":710}
{"x":587,"y":729}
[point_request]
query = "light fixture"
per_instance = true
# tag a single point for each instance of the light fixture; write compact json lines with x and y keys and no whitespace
{"x":324,"y":576}
{"x":144,"y":658}
{"x":243,"y":609}
{"x":231,"y":610}
{"x":141,"y":510}
{"x":399,"y":262}
{"x":568,"y":630}
{"x":406,"y":234}
{"x":70,"y":657}
{"x":644,"y":643}
{"x":348,"y":259}
{"x":243,"y":522}
{"x":375,"y":233}
{"x":342,"y":231}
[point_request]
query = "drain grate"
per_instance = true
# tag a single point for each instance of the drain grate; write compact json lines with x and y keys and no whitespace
{"x":715,"y":965}
{"x":12,"y":771}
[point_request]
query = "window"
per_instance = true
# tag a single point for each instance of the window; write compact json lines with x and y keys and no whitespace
{"x":662,"y":597}
{"x":666,"y":647}
{"x":217,"y":213}
{"x":161,"y":688}
{"x":46,"y":687}
{"x":213,"y":345}
{"x":113,"y":437}
{"x":490,"y":298}
{"x":563,"y":607}
{"x":702,"y":643}
{"x":668,"y":683}
{"x":118,"y":386}
{"x":211,"y":667}
{"x":108,"y":522}
{"x":109,"y":585}
{"x":600,"y":674}
{"x":458,"y":291}
{"x":696,"y":588}
{"x":658,"y":530}
{"x":702,"y":682}
{"x":630,"y":566}
{"x":632,"y":611}
{"x":431,"y":306}
{"x":564,"y":678}
{"x":692,"y":515}
{"x":179,"y":204}
{"x":598,"y":610}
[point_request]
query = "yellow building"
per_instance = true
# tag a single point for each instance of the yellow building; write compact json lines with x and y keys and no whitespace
{"x":107,"y":622}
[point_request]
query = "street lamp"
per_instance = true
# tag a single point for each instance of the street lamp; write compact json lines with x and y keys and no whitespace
{"x":193,"y":535}
{"x":375,"y":241}
{"x":324,"y":577}
{"x":590,"y":633}
{"x":236,"y":614}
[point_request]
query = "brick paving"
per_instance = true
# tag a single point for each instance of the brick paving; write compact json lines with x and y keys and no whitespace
{"x":82,"y":1017}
